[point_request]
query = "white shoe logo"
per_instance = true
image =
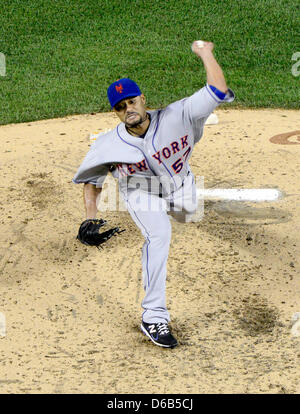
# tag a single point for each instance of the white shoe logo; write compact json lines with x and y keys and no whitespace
{"x":152,"y":329}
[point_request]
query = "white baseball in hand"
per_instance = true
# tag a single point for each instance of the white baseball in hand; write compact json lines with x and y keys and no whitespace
{"x":198,"y":43}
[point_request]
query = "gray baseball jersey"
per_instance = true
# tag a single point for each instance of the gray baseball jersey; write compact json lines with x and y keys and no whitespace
{"x":164,"y":151}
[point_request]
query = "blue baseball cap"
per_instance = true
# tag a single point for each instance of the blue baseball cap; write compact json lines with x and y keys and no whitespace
{"x":122,"y":89}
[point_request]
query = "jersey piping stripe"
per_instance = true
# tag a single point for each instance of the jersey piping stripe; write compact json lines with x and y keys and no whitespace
{"x":132,"y":145}
{"x":148,"y":240}
{"x":212,"y":95}
{"x":221,"y":95}
{"x":158,"y":116}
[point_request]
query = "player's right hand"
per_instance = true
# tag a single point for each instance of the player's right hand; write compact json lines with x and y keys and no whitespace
{"x":201,"y":47}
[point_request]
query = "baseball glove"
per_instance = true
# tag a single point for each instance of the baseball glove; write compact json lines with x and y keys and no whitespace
{"x":88,"y":232}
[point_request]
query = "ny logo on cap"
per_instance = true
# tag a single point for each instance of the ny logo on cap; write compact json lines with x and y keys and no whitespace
{"x":119,"y":88}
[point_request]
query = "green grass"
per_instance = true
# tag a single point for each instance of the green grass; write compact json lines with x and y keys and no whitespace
{"x":62,"y":55}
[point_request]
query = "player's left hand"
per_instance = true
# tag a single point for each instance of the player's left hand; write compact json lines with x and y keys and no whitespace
{"x":88,"y":232}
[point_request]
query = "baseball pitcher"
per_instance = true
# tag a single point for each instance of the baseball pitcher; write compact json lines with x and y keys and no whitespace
{"x":149,"y":152}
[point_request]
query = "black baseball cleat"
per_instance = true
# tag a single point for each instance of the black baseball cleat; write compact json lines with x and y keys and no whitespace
{"x":159,"y":333}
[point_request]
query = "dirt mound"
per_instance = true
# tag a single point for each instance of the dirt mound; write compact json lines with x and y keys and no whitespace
{"x":72,"y":312}
{"x":256,"y":316}
{"x":41,"y":190}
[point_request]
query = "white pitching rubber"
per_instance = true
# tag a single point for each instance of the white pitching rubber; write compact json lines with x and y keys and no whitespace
{"x":240,"y":194}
